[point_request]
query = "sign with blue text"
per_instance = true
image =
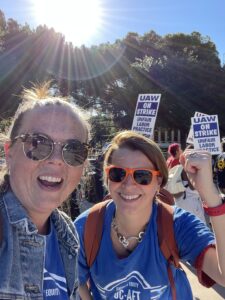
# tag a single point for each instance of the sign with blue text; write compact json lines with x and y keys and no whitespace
{"x":190,"y":135}
{"x":206,"y":135}
{"x":146,"y":113}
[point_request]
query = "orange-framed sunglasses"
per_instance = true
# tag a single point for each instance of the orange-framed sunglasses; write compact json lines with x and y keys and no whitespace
{"x":140,"y":176}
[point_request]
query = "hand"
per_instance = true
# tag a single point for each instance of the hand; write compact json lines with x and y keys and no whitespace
{"x":198,"y":166}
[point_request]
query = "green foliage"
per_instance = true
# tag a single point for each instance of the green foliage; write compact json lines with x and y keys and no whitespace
{"x":184,"y":68}
{"x":106,"y":79}
{"x":4,"y":125}
{"x":103,"y":130}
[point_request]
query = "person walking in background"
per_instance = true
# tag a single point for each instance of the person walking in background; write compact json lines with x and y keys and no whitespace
{"x":190,"y":199}
{"x":45,"y":153}
{"x":129,"y":262}
{"x":185,"y":195}
{"x":174,"y":151}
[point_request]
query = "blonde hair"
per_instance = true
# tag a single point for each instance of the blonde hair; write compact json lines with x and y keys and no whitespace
{"x":134,"y":141}
{"x":35,"y":97}
{"x":39,"y":96}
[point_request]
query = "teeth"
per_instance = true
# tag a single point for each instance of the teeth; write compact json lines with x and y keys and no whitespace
{"x":50,"y":178}
{"x":129,"y":197}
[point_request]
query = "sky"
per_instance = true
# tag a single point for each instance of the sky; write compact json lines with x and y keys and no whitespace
{"x":83,"y":23}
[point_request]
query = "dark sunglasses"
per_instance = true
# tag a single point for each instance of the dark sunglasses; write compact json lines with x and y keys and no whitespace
{"x":37,"y":146}
{"x":139,"y":175}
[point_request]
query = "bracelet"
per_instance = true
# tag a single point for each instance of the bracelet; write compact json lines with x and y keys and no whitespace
{"x":215,"y":211}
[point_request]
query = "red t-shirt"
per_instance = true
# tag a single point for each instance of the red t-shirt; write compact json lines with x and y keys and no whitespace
{"x":172,"y":162}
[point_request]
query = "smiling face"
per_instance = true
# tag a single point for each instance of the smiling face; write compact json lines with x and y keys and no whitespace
{"x":130,"y":197}
{"x":41,"y":186}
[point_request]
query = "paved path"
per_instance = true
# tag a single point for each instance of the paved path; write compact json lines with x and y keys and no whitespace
{"x":201,"y":293}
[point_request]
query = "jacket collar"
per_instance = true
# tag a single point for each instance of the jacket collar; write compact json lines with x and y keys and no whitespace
{"x":18,"y":216}
{"x":65,"y":230}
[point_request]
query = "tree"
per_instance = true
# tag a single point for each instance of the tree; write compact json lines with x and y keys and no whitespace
{"x":2,"y":31}
{"x":178,"y":68}
{"x":106,"y":79}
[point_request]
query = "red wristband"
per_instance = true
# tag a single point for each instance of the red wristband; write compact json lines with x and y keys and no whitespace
{"x":215,"y":211}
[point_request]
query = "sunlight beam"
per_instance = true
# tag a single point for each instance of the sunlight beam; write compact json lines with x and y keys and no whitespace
{"x":77,"y":20}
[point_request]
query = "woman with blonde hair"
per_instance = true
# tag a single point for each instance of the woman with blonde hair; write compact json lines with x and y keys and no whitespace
{"x":45,"y":151}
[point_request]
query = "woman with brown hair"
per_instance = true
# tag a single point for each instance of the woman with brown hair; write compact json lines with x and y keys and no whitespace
{"x":129,"y":263}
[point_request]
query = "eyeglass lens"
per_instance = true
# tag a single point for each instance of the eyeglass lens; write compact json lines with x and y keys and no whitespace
{"x":74,"y":153}
{"x":143,"y":177}
{"x":38,"y":147}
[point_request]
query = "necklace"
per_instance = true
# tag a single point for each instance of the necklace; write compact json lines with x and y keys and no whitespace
{"x":126,"y":241}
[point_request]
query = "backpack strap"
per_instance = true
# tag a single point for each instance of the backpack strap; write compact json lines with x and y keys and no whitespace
{"x":94,"y":227}
{"x":93,"y":231}
{"x":166,"y":237}
{"x":167,"y":241}
{"x":165,"y":196}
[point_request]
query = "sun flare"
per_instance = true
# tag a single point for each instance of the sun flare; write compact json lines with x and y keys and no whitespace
{"x":77,"y":20}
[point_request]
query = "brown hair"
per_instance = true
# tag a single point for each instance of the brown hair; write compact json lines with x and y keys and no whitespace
{"x":135,"y":141}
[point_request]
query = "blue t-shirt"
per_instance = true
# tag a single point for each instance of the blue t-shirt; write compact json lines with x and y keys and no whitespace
{"x":55,"y":286}
{"x":143,"y":274}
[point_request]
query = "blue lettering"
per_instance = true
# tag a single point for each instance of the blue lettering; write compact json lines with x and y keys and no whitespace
{"x":149,"y":97}
{"x":204,"y":119}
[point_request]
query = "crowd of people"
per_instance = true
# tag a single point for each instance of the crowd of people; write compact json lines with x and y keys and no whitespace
{"x":179,"y":185}
{"x":43,"y":253}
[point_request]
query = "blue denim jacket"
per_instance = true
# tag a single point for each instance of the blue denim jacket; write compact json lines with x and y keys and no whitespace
{"x":22,"y":251}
